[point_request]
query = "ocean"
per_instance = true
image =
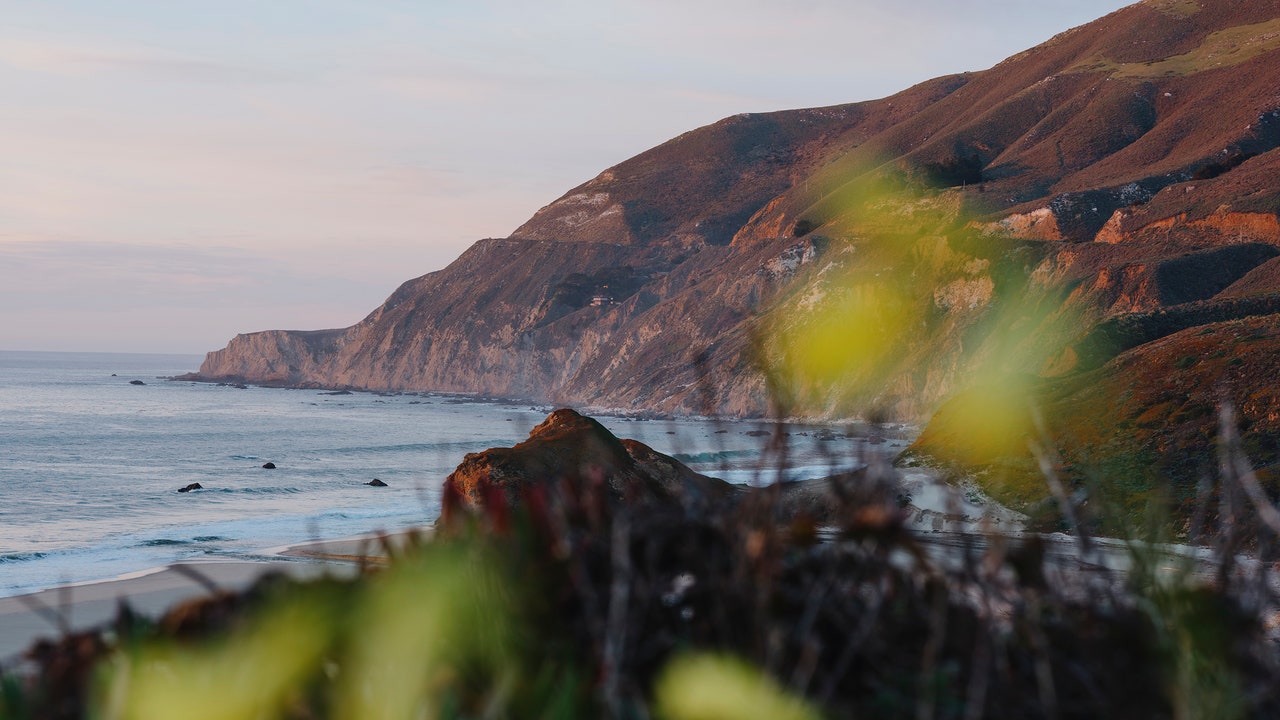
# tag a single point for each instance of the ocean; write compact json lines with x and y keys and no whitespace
{"x":91,"y":462}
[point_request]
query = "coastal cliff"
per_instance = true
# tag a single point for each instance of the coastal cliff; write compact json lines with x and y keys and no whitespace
{"x":1111,"y":188}
{"x":1122,"y":153}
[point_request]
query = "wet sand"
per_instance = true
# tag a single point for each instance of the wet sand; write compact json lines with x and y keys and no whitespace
{"x":27,"y":618}
{"x":369,"y":548}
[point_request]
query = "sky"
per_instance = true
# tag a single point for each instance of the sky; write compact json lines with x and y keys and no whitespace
{"x":176,"y":172}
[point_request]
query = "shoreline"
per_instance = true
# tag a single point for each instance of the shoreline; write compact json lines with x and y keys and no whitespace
{"x":905,"y":428}
{"x":30,"y":617}
{"x":26,"y":617}
{"x":365,"y":547}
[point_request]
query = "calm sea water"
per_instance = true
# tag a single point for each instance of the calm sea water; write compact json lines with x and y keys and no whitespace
{"x":90,"y":464}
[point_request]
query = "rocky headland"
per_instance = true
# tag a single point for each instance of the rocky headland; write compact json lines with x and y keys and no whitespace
{"x":1092,"y":216}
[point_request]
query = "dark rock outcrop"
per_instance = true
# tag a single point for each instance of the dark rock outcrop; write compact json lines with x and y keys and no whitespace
{"x":376,"y":483}
{"x":268,"y":466}
{"x":136,"y":382}
{"x":571,"y":453}
{"x":578,"y":452}
{"x":189,"y":488}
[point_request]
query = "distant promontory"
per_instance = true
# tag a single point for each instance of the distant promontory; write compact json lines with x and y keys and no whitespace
{"x":1091,"y":214}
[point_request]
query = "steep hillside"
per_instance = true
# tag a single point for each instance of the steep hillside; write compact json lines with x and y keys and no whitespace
{"x":1053,"y":218}
{"x":606,"y":295}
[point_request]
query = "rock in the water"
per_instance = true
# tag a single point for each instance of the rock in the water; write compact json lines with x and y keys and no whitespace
{"x":269,"y":466}
{"x":192,"y":486}
{"x":136,"y":382}
{"x":376,"y":483}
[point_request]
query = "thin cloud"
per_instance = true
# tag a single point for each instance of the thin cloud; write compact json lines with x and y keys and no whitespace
{"x":84,"y":60}
{"x":300,"y":159}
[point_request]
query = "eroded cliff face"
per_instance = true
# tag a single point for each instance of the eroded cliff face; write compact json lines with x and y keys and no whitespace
{"x":275,"y":357}
{"x":1110,"y":187}
{"x":569,"y":322}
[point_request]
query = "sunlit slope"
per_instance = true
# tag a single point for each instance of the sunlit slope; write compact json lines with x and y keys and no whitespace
{"x":1112,"y":188}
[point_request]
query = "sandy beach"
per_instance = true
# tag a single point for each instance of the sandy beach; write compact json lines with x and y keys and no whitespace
{"x":27,"y":618}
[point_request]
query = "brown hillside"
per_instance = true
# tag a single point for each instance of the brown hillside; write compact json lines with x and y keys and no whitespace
{"x":1110,"y":191}
{"x":1075,"y":125}
{"x":1141,"y":431}
{"x":702,"y":186}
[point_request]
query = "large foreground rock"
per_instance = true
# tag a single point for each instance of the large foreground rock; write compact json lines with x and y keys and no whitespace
{"x":578,"y":451}
{"x":571,"y":453}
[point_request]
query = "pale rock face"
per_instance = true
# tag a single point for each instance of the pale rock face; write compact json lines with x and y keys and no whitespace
{"x":583,"y":216}
{"x":1039,"y":224}
{"x":965,"y":294}
{"x":785,"y":265}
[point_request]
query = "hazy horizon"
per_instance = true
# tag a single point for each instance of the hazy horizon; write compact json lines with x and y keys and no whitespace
{"x":178,"y":175}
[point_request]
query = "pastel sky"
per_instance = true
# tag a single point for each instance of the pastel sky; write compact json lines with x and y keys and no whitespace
{"x":178,"y":171}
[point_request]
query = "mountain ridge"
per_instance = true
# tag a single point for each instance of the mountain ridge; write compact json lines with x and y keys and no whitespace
{"x":1080,"y":200}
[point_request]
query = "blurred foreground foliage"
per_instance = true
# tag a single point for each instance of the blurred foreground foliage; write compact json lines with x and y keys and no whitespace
{"x":918,"y":307}
{"x":570,"y":606}
{"x":915,"y":302}
{"x":567,"y":604}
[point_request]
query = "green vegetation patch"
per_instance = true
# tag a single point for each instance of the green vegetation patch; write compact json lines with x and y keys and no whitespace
{"x":1224,"y":48}
{"x":1176,"y":8}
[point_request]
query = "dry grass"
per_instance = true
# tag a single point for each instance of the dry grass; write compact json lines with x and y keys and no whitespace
{"x":1175,"y":8}
{"x":1221,"y":49}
